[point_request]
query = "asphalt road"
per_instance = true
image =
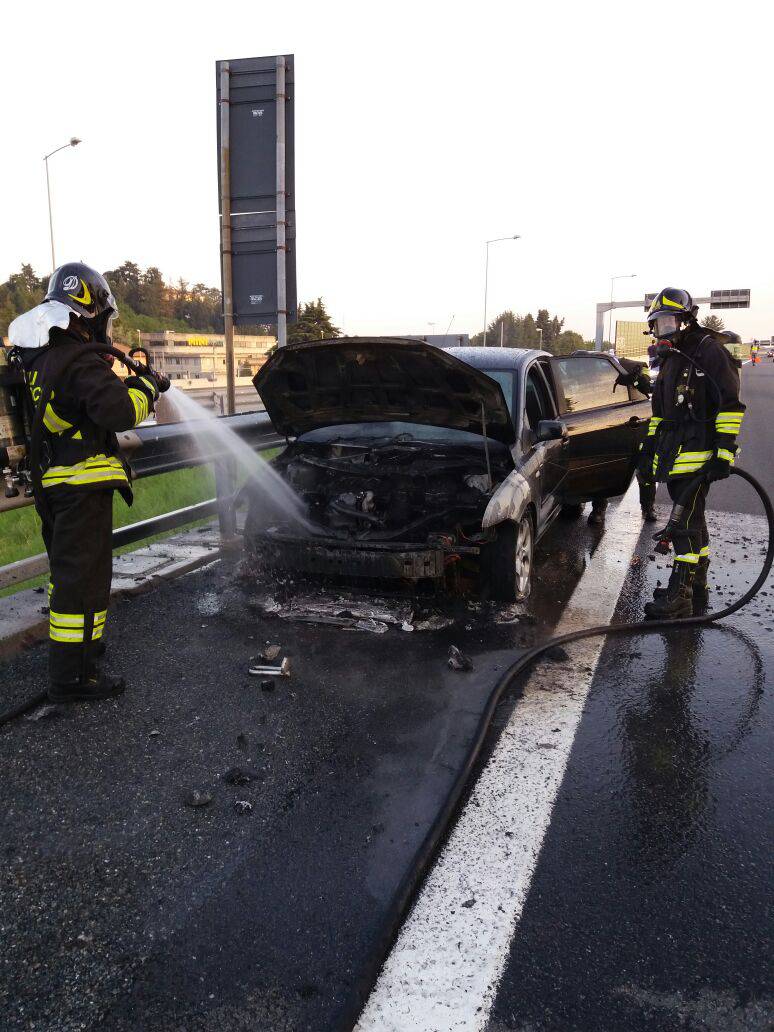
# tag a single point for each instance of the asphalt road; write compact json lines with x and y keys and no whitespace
{"x":124,"y":908}
{"x":650,"y":907}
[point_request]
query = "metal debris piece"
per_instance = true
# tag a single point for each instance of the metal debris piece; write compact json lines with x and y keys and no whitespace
{"x":458,"y":660}
{"x":339,"y":610}
{"x":406,"y":626}
{"x":198,"y":798}
{"x":435,"y":622}
{"x":374,"y":626}
{"x":46,"y":712}
{"x":242,"y":806}
{"x":509,"y":614}
{"x":154,"y":733}
{"x":270,"y":653}
{"x":259,"y":669}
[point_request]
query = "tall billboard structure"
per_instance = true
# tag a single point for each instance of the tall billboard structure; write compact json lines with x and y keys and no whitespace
{"x":256,"y":182}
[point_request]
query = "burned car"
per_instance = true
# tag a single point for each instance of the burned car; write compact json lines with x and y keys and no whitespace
{"x":416,"y":464}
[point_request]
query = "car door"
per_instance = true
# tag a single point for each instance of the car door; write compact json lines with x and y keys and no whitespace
{"x":604,"y":423}
{"x":539,"y":403}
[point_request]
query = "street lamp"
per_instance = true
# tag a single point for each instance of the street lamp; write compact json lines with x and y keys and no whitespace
{"x":73,"y":142}
{"x":631,"y":275}
{"x":496,"y":240}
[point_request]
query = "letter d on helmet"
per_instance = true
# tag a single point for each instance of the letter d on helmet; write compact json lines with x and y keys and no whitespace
{"x":87,"y":294}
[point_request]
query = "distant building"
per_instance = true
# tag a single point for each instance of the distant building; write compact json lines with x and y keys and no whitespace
{"x":198,"y":356}
{"x":632,"y":339}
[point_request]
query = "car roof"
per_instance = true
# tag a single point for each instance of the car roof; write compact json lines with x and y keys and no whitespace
{"x":497,"y":358}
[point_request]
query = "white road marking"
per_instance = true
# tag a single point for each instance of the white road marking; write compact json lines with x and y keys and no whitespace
{"x":445,"y":968}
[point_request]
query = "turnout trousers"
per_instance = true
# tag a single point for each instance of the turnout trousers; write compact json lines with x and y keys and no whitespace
{"x":78,"y":535}
{"x":692,"y":544}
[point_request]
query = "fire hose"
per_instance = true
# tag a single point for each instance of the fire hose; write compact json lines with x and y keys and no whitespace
{"x":445,"y":816}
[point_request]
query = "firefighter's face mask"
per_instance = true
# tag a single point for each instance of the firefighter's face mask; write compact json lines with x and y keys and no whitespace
{"x":665,"y":327}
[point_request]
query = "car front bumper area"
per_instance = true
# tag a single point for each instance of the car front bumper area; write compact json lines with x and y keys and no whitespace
{"x":331,"y":557}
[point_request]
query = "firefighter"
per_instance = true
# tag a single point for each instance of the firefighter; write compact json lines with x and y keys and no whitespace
{"x":80,"y":466}
{"x":696,"y":418}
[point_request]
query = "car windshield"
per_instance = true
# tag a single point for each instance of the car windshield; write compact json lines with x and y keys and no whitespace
{"x":395,"y":432}
{"x":505,"y":379}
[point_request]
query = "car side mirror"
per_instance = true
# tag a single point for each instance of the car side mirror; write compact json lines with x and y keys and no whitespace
{"x":551,"y":430}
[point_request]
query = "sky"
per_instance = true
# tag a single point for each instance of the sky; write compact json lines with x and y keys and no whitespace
{"x":613,"y":138}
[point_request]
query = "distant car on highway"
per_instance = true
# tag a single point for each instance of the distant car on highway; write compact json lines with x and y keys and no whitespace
{"x":418,"y":463}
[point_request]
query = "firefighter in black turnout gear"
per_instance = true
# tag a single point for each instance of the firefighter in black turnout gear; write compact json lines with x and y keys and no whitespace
{"x":696,"y":417}
{"x":80,"y":466}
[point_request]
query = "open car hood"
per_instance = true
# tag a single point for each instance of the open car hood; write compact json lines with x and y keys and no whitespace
{"x":378,"y":379}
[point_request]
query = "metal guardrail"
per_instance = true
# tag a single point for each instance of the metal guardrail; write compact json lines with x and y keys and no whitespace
{"x":164,"y":449}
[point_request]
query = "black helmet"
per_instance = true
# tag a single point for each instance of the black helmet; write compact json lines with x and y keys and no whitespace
{"x":87,"y":294}
{"x":670,"y":310}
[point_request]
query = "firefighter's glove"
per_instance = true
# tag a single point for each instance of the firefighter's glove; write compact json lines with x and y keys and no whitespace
{"x":162,"y":382}
{"x":146,"y":383}
{"x":718,"y":468}
{"x":627,"y":379}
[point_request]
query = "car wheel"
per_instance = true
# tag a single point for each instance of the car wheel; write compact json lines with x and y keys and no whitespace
{"x":507,"y":562}
{"x":571,"y":511}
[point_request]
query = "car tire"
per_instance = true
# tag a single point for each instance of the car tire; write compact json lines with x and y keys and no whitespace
{"x":507,"y":561}
{"x":572,"y":510}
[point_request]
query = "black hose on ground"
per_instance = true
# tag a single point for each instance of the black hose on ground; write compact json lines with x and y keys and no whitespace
{"x":445,"y":817}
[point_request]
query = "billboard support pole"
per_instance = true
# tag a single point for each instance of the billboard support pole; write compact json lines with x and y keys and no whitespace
{"x":225,"y":237}
{"x":282,"y":314}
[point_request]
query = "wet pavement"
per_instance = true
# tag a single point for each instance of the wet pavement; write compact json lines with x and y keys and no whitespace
{"x":650,"y":907}
{"x":127,"y":906}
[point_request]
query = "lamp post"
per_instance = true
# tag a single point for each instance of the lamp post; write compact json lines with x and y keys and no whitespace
{"x":630,"y":275}
{"x":496,"y":240}
{"x":73,"y":142}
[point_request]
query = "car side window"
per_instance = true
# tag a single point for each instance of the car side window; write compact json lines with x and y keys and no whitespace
{"x":588,"y":382}
{"x":537,"y":403}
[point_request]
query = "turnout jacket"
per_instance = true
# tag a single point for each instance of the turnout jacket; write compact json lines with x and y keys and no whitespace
{"x":88,"y":406}
{"x":696,"y":414}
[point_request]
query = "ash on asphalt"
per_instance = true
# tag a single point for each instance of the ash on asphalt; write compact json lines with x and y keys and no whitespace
{"x":145,"y":884}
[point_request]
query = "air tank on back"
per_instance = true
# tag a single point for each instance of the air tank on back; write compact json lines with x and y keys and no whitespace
{"x":13,"y":437}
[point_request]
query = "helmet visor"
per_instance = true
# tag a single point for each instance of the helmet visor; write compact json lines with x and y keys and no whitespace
{"x":664,"y":326}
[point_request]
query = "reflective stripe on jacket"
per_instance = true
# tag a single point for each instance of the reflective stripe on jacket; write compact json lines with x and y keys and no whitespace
{"x":697,"y":413}
{"x":87,"y":407}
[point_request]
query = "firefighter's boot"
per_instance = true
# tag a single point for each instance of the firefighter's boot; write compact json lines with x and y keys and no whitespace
{"x":96,"y":685}
{"x":597,"y":514}
{"x":649,"y":512}
{"x":677,"y":600}
{"x":700,"y":586}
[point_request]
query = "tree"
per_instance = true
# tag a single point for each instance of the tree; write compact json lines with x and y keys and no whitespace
{"x":567,"y":342}
{"x":713,"y":322}
{"x":312,"y":323}
{"x":521,"y":331}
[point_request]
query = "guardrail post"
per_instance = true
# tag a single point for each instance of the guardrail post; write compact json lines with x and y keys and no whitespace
{"x":225,"y":486}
